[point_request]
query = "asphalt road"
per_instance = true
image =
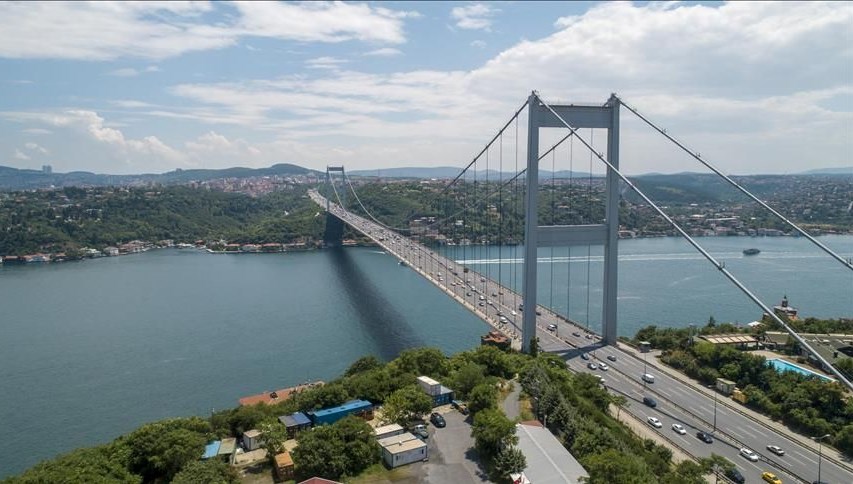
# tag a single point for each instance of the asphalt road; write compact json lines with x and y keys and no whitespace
{"x":676,"y":403}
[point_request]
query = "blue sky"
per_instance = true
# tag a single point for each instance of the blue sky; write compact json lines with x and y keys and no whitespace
{"x":153,"y":86}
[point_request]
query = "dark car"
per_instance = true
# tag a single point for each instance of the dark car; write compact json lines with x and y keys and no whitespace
{"x":735,"y":476}
{"x":437,"y":420}
{"x":705,"y":437}
{"x":611,"y":357}
{"x":651,"y":402}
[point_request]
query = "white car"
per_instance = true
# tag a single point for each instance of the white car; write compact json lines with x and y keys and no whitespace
{"x":750,"y":455}
{"x":603,"y":366}
{"x":552,"y":327}
{"x":654,"y":422}
{"x":776,"y":449}
{"x":679,"y":429}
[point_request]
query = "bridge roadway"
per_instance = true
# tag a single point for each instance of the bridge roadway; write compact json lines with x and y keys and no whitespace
{"x":676,"y":402}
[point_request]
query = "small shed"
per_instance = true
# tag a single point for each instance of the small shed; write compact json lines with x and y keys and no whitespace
{"x":295,"y":423}
{"x":227,"y":448}
{"x":444,"y":396}
{"x":252,"y":439}
{"x":403,"y":449}
{"x":388,"y":431}
{"x":284,"y":466}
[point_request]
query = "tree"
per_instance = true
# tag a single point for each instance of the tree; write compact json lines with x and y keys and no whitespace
{"x":159,"y":450}
{"x":211,"y":471}
{"x":467,"y":377}
{"x":91,"y":465}
{"x":686,"y":472}
{"x":273,"y":435}
{"x":346,"y":447}
{"x":492,"y":431}
{"x":422,"y":361}
{"x":483,"y":396}
{"x":509,"y":460}
{"x":612,"y":466}
{"x":534,"y":346}
{"x":716,"y":461}
{"x":363,"y":364}
{"x":406,"y":404}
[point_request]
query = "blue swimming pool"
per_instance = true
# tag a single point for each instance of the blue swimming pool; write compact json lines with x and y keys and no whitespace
{"x":782,"y":365}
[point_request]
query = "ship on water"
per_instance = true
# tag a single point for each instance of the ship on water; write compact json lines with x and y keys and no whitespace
{"x":751,"y":251}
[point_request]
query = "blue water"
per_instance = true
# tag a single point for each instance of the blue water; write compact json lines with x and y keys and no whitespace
{"x":91,"y":350}
{"x":782,"y":365}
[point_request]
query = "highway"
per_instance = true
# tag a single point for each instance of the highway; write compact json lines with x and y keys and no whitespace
{"x":676,"y":402}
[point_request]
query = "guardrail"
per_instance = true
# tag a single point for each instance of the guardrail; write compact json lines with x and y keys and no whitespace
{"x":685,"y":381}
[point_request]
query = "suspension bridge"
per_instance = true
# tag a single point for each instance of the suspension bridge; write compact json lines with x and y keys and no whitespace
{"x":500,"y":199}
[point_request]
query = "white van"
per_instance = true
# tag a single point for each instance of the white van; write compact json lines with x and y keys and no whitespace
{"x":648,"y":378}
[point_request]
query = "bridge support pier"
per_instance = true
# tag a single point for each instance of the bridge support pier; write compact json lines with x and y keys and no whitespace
{"x":606,"y":233}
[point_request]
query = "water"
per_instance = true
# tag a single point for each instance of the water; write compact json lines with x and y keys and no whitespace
{"x":91,"y":350}
{"x":665,"y":281}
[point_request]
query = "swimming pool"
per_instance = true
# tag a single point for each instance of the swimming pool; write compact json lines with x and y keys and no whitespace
{"x":782,"y":365}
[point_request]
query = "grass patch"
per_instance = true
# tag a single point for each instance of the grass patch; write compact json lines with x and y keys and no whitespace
{"x":378,"y":473}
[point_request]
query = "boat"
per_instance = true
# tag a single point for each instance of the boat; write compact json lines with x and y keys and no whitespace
{"x":403,"y":263}
{"x":751,"y":251}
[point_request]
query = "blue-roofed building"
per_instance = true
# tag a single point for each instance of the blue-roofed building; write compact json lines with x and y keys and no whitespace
{"x":295,"y":423}
{"x":361,"y":408}
{"x":211,"y":450}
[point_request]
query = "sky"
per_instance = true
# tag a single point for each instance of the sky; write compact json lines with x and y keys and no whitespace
{"x":149,"y":87}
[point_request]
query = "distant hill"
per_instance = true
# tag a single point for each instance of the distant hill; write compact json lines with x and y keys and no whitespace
{"x":445,"y":172}
{"x":830,"y":171}
{"x":17,"y":179}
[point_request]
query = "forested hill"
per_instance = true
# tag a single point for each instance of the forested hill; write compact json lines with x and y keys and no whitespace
{"x":17,"y":179}
{"x":72,"y":218}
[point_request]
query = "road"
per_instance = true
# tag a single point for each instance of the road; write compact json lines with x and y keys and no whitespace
{"x":676,"y":402}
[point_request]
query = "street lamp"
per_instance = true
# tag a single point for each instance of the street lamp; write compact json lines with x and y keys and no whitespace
{"x":819,"y":453}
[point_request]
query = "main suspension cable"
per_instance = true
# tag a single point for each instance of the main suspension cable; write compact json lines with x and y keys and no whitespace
{"x":720,"y":266}
{"x":697,"y":157}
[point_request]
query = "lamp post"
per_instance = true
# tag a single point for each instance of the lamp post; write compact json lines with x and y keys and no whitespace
{"x":819,"y":453}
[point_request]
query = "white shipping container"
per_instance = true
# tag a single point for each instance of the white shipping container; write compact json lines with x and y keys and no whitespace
{"x":430,"y":386}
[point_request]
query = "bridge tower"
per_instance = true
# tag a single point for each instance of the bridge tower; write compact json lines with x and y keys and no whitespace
{"x":606,"y":234}
{"x":334,"y":233}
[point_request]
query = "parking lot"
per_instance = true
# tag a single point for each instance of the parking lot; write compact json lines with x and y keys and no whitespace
{"x":452,"y":457}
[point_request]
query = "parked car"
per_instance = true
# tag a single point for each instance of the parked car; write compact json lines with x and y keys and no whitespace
{"x":776,"y":449}
{"x":611,"y":357}
{"x":463,"y":409}
{"x":437,"y":420}
{"x":705,"y":437}
{"x":749,"y":454}
{"x":654,"y":422}
{"x":679,"y":429}
{"x":771,"y":478}
{"x":650,"y":402}
{"x":421,"y":431}
{"x":735,"y":476}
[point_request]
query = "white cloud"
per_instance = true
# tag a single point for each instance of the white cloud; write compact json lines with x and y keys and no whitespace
{"x":476,"y":16}
{"x":325,"y":62}
{"x":101,"y":31}
{"x":131,"y":72}
{"x":36,"y":131}
{"x":478,"y":44}
{"x":19,"y":155}
{"x":384,"y":52}
{"x":36,"y":147}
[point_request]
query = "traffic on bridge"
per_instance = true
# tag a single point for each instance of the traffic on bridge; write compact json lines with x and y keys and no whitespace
{"x":692,"y":419}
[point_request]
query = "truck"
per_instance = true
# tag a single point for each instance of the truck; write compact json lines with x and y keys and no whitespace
{"x":726,"y":387}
